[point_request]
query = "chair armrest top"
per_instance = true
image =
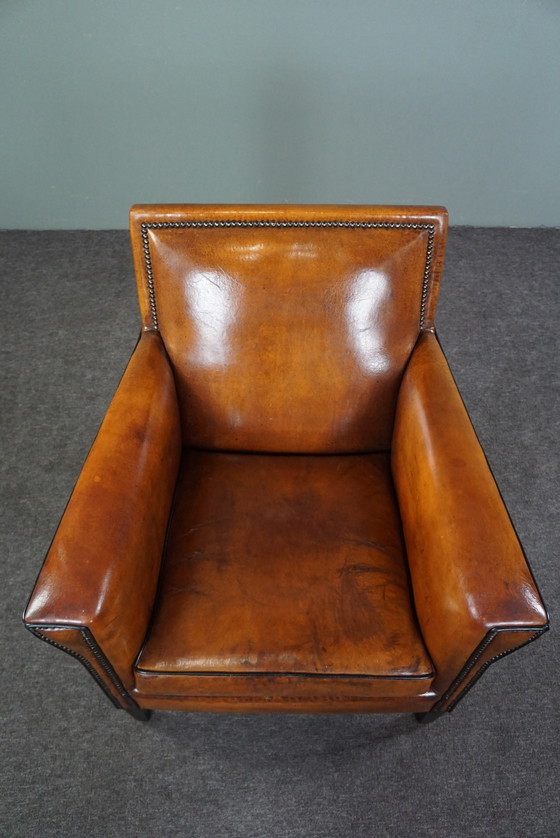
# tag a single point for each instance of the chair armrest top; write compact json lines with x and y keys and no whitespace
{"x":468,"y":570}
{"x":102,"y":567}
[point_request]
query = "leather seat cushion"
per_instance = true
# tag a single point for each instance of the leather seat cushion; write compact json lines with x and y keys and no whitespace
{"x":279,"y":566}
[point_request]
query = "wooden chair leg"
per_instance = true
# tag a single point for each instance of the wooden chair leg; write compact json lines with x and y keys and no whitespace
{"x":427,"y":718}
{"x":139,"y":714}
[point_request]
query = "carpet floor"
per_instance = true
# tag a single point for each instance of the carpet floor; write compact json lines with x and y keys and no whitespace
{"x":73,"y":766}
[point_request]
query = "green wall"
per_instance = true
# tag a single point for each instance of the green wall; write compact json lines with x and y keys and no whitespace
{"x":104,"y":103}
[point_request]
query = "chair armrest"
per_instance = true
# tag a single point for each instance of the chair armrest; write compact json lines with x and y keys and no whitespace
{"x":475,"y":597}
{"x":95,"y":592}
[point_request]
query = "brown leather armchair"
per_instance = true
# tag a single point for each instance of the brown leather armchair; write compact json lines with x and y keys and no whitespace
{"x":286,"y":507}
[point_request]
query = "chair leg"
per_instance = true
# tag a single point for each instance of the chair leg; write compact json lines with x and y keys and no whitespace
{"x":139,"y":714}
{"x":427,"y":718}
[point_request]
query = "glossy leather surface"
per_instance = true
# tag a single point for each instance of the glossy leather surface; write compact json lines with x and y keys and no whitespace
{"x":283,"y":564}
{"x":467,"y":566}
{"x":318,"y":581}
{"x":288,"y":338}
{"x":102,"y":567}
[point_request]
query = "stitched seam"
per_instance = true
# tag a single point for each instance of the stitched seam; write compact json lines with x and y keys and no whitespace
{"x":367,"y":225}
{"x":97,"y":653}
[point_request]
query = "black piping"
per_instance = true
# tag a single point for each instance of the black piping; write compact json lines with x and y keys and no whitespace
{"x":310,"y":675}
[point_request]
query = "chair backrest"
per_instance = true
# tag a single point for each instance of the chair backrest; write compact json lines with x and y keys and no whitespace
{"x":288,"y":327}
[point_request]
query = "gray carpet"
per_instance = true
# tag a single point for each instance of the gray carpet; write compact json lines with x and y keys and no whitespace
{"x":73,"y":766}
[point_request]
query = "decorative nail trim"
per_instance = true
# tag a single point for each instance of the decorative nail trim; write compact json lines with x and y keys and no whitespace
{"x":366,"y":225}
{"x":475,"y":657}
{"x":88,"y":638}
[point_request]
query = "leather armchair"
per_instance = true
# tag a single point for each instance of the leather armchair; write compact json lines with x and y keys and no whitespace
{"x":286,"y":507}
